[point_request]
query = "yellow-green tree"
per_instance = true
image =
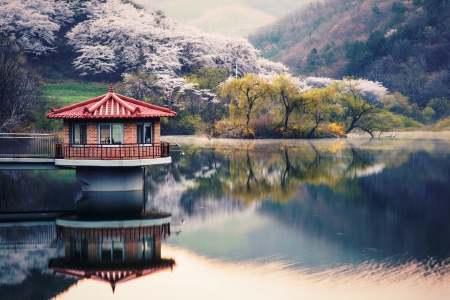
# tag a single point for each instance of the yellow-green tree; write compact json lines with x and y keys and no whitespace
{"x":318,"y":105}
{"x":248,"y":92}
{"x":357,"y":112}
{"x":286,"y":91}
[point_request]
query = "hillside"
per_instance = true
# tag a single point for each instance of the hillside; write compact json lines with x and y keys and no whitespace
{"x":402,"y":44}
{"x":230,"y":17}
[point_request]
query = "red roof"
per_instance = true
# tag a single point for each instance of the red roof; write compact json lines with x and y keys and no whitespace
{"x":111,"y":106}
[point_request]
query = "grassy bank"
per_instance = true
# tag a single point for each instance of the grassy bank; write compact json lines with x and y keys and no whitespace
{"x":72,"y":92}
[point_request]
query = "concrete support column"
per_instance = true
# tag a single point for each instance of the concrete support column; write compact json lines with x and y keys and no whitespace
{"x":111,"y":179}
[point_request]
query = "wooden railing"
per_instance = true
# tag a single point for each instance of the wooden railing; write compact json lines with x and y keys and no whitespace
{"x":20,"y":145}
{"x":111,"y":152}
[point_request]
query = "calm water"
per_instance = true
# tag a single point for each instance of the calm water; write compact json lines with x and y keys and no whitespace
{"x":333,"y":219}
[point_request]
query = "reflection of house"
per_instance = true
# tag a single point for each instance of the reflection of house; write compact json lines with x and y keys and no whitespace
{"x":110,"y":249}
{"x":112,"y":128}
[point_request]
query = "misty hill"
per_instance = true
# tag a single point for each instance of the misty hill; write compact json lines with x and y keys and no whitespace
{"x":402,"y":44}
{"x":231,"y":17}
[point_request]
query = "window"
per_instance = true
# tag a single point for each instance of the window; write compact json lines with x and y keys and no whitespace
{"x":110,"y":133}
{"x":111,"y":250}
{"x":79,"y":249}
{"x":145,"y":133}
{"x":145,"y":248}
{"x":78,"y":134}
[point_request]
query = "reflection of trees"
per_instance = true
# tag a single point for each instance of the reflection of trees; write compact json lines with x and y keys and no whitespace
{"x":38,"y":285}
{"x":277,"y":172}
{"x":31,"y":190}
{"x":401,"y":210}
{"x":255,"y":171}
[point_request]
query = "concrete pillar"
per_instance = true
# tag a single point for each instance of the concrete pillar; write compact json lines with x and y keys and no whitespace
{"x":107,"y":203}
{"x":111,"y":179}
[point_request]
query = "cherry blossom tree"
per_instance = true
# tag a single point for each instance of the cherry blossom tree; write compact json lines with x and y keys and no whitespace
{"x":120,"y":37}
{"x":34,"y":23}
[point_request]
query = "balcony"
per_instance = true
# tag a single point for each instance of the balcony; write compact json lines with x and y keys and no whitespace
{"x":43,"y":148}
{"x":111,"y":152}
{"x":115,"y":155}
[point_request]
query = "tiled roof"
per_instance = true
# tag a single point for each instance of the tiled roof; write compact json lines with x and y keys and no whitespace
{"x":111,"y":106}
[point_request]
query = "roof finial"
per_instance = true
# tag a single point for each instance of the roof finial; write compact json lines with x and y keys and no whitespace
{"x":111,"y":89}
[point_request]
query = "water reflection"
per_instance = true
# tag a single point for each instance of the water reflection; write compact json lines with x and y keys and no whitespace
{"x":263,"y":219}
{"x":112,"y":239}
{"x":109,"y":252}
{"x":37,"y":190}
{"x":332,"y":205}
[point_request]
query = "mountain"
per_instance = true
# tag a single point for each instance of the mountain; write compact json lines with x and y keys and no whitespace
{"x":229,"y":17}
{"x":402,"y":44}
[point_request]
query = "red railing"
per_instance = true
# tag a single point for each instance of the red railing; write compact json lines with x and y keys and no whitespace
{"x":111,"y":152}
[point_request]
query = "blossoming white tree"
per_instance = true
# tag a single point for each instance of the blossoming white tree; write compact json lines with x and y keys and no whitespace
{"x":34,"y":23}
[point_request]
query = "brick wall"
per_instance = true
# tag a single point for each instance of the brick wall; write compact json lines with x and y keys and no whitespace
{"x":156,"y":131}
{"x":129,"y":129}
{"x":66,"y":131}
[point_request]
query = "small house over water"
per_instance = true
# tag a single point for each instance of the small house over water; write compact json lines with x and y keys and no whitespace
{"x":111,"y":130}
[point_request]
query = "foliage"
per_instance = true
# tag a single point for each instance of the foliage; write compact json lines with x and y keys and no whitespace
{"x":181,"y":125}
{"x":402,"y":44}
{"x":357,"y":112}
{"x":33,"y":24}
{"x":337,"y":129}
{"x":20,"y":88}
{"x":140,"y":86}
{"x":246,"y":93}
{"x":441,"y":107}
{"x":443,"y":124}
{"x":119,"y":37}
{"x":318,"y":106}
{"x":209,"y":80}
{"x":286,"y":91}
{"x":41,"y":123}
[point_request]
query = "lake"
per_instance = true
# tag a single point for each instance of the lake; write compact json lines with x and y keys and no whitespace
{"x":264,"y":219}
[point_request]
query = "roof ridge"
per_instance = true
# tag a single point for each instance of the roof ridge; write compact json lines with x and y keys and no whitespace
{"x":140,"y":102}
{"x":99,"y":103}
{"x":62,"y":109}
{"x":122,"y":102}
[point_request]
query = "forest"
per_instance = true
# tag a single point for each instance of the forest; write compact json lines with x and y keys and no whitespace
{"x":224,"y":87}
{"x":403,"y":44}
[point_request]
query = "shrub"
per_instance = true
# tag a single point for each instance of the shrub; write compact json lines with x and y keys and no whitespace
{"x":182,"y":125}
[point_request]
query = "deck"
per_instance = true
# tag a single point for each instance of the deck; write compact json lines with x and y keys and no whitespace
{"x":48,"y":148}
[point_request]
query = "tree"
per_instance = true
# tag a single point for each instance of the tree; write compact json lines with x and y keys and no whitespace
{"x":20,"y":86}
{"x":286,"y":91}
{"x":33,"y":24}
{"x":317,"y":105}
{"x":247,"y":91}
{"x":209,"y":80}
{"x":119,"y":37}
{"x":174,"y":90}
{"x":358,"y":113}
{"x":140,"y":86}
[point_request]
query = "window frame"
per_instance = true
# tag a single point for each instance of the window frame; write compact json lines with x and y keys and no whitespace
{"x":79,"y":249}
{"x":111,"y":249}
{"x":80,"y":137}
{"x":140,"y":133}
{"x":143,"y":250}
{"x":110,"y":144}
